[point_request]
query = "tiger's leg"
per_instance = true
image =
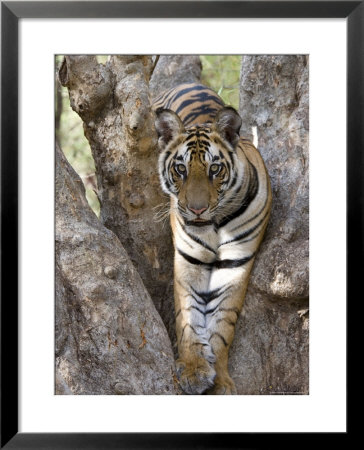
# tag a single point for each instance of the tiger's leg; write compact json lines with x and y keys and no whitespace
{"x":222,"y":313}
{"x":195,"y":365}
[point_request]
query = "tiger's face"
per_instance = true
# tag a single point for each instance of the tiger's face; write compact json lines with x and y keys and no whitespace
{"x":198,"y":165}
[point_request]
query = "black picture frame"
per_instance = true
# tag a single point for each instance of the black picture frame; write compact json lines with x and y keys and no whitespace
{"x":11,"y":12}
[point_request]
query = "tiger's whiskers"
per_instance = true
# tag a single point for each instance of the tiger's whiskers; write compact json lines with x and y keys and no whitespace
{"x":161,"y":212}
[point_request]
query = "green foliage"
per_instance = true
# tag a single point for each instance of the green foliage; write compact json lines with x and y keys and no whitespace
{"x":75,"y":146}
{"x":101,"y":59}
{"x":220,"y":72}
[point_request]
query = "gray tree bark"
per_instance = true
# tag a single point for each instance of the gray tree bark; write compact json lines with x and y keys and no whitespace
{"x":173,"y":70}
{"x":109,"y":337}
{"x":270,"y":350}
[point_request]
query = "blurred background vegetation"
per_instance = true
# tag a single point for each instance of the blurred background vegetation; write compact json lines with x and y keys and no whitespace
{"x":220,"y":72}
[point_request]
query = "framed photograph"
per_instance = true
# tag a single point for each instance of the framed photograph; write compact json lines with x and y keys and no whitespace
{"x":118,"y":117}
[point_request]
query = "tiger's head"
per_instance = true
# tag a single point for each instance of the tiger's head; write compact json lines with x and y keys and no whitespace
{"x":198,"y":165}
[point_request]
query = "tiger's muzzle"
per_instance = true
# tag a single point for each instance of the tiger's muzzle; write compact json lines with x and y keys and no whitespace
{"x":197,"y":210}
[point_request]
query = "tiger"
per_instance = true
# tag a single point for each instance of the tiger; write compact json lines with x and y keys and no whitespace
{"x":220,"y":202}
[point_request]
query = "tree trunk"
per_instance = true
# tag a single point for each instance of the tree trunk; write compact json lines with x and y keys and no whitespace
{"x":270,"y":350}
{"x":114,"y":103}
{"x":173,"y":70}
{"x":109,"y":337}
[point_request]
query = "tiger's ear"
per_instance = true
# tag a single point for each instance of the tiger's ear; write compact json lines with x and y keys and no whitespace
{"x":168,"y":126}
{"x":227,"y":123}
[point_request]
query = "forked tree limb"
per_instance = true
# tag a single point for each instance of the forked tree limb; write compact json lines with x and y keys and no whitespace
{"x":109,"y":337}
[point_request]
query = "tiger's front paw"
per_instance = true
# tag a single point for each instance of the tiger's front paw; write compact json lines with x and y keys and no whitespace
{"x":195,"y":376}
{"x":223,"y":386}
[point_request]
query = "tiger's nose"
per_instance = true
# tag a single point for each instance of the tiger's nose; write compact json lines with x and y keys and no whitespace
{"x":197,"y":211}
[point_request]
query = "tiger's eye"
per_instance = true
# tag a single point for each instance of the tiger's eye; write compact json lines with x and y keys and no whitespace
{"x":181,"y":168}
{"x":214,"y":168}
